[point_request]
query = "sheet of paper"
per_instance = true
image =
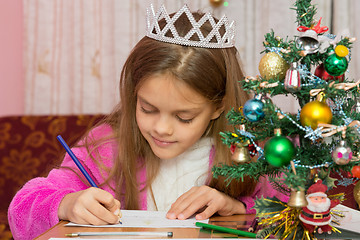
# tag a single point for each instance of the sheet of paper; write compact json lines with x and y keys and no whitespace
{"x":351,"y":219}
{"x":157,"y":238}
{"x":148,"y":219}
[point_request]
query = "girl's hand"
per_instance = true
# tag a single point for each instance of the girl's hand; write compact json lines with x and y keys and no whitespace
{"x":91,"y":206}
{"x":206,"y":201}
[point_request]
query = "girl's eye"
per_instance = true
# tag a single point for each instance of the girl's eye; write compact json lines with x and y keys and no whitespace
{"x":146,"y":110}
{"x":184,"y":120}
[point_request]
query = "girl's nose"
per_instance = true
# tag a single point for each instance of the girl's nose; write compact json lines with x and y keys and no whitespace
{"x":164,"y":126}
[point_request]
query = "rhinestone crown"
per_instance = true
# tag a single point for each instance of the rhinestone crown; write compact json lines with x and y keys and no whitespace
{"x":155,"y":32}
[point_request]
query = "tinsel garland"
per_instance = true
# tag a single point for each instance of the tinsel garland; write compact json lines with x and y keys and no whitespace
{"x":278,"y":219}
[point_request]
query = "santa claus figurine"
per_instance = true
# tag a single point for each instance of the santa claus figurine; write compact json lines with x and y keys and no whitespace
{"x":317,"y":213}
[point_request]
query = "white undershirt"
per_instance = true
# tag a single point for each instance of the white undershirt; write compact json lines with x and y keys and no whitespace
{"x":179,"y":174}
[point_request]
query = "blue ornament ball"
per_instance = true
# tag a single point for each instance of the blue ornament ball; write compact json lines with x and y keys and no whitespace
{"x":254,"y":110}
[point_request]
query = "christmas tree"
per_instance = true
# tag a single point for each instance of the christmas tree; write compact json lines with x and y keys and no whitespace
{"x":324,"y":133}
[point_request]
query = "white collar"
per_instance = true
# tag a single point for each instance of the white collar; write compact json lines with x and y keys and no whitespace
{"x":179,"y":174}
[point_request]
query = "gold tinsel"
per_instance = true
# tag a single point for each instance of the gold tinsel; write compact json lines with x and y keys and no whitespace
{"x":288,"y":221}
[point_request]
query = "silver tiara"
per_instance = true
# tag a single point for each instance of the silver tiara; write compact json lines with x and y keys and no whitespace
{"x":153,"y":29}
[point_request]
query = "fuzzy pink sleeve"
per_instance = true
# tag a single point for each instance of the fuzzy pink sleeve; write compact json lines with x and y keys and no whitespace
{"x":34,"y":208}
{"x":262,"y":189}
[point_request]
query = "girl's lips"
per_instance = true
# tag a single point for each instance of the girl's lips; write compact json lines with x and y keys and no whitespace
{"x":162,"y":143}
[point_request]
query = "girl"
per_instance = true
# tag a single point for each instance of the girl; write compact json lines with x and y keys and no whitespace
{"x":156,"y":149}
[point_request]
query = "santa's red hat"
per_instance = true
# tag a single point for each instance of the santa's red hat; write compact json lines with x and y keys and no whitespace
{"x":317,"y":189}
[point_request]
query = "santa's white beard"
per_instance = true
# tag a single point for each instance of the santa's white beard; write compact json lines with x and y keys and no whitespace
{"x":318,"y":207}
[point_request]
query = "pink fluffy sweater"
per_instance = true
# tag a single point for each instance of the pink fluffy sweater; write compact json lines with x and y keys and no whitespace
{"x":34,"y":209}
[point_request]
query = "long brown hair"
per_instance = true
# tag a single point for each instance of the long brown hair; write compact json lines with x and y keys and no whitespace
{"x":213,"y":73}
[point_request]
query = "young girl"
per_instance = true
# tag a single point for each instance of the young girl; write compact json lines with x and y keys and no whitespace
{"x":156,"y":149}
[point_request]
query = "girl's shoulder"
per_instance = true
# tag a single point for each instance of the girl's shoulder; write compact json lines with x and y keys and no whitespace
{"x":101,"y":142}
{"x":100,"y":136}
{"x":101,"y":131}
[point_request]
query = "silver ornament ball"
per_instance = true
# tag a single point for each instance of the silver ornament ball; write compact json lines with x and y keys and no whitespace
{"x":342,"y":154}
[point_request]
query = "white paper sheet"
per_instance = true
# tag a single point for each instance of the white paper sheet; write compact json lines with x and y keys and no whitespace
{"x":351,"y":220}
{"x":148,"y":219}
{"x":157,"y":238}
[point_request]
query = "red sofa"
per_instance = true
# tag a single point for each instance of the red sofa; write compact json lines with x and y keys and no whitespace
{"x":29,"y":148}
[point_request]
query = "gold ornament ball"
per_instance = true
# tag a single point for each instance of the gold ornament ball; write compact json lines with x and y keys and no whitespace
{"x":315,"y":112}
{"x":273,"y":66}
{"x":216,"y":3}
{"x":357,"y":193}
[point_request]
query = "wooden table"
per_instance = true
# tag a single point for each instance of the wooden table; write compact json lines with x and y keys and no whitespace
{"x":240,"y":222}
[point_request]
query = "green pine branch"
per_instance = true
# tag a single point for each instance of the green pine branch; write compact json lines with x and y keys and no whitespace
{"x":305,"y":12}
{"x":309,"y":154}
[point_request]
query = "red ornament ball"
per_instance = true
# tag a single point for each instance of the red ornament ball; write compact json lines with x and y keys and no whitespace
{"x":232,"y":148}
{"x":252,"y":149}
{"x":320,"y":72}
{"x":356,"y":171}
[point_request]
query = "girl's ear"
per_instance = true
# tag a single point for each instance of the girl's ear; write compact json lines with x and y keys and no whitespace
{"x":219,"y":110}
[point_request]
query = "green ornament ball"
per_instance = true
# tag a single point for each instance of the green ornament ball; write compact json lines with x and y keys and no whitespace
{"x":335,"y":65}
{"x":279,"y":151}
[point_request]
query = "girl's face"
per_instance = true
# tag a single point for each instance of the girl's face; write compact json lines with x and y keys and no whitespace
{"x":172,"y":116}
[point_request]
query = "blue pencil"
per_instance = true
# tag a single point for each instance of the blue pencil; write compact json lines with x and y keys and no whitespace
{"x":77,"y":162}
